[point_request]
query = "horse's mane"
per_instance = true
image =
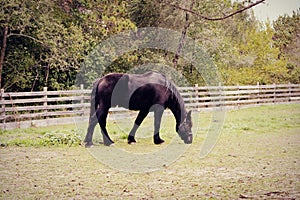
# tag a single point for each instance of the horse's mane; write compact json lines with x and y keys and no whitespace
{"x":176,"y":96}
{"x":171,"y":87}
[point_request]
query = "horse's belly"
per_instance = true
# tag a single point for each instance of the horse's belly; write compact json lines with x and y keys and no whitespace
{"x":140,"y":102}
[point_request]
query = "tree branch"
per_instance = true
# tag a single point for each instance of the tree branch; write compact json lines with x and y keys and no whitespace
{"x":183,"y":35}
{"x":27,"y":36}
{"x":217,"y":18}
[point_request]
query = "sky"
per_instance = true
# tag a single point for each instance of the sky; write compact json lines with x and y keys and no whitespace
{"x":272,"y":9}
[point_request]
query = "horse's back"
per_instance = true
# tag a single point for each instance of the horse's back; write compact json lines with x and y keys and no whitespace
{"x":133,"y":81}
{"x":133,"y":91}
{"x":150,"y":77}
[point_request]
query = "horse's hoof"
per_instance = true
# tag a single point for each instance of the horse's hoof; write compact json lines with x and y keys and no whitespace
{"x":110,"y":143}
{"x":160,"y":141}
{"x":131,"y":140}
{"x":87,"y":144}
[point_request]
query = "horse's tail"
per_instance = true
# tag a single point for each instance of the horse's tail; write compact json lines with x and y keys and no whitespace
{"x":93,"y":118}
{"x":94,"y":98}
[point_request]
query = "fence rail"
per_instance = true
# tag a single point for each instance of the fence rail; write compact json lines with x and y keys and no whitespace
{"x":25,"y":109}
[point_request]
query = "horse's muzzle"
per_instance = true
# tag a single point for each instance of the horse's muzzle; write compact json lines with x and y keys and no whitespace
{"x":189,"y":139}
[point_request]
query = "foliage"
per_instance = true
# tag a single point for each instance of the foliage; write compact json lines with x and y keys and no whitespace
{"x":48,"y":41}
{"x":242,"y":48}
{"x":255,"y":59}
{"x":38,"y":137}
{"x":62,"y":138}
{"x":287,"y":39}
{"x":144,"y":13}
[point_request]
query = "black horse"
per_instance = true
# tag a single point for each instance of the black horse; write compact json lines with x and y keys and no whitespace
{"x":149,"y":92}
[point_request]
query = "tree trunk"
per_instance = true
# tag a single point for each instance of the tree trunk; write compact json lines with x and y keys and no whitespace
{"x":2,"y":55}
{"x":183,"y":36}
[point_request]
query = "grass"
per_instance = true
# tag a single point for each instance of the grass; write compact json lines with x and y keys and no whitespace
{"x":40,"y":137}
{"x":256,"y":156}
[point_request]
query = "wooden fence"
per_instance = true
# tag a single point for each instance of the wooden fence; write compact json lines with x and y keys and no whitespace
{"x":26,"y":109}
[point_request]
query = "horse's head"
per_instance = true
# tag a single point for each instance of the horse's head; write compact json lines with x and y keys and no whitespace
{"x":185,"y":129}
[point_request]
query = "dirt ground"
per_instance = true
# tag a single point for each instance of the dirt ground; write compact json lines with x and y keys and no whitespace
{"x":253,"y":159}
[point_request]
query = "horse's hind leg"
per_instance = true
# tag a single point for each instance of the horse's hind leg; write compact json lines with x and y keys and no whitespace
{"x":102,"y":115}
{"x":139,"y":119}
{"x":89,"y":135}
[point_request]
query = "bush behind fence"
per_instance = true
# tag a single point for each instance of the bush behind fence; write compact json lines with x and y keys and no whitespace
{"x":26,"y":109}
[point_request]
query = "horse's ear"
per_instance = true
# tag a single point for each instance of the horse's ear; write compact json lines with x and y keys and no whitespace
{"x":189,"y":116}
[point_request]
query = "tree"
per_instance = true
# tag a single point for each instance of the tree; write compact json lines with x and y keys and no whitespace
{"x":256,"y":59}
{"x":287,"y":39}
{"x":14,"y":16}
{"x":199,"y":20}
{"x":44,"y":42}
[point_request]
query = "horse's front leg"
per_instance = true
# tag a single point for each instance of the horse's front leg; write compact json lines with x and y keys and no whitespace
{"x":139,"y":119}
{"x":158,"y":112}
{"x":102,"y":115}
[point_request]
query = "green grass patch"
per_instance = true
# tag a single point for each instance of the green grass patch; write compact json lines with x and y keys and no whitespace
{"x":40,"y":137}
{"x":258,"y":120}
{"x":263,"y":119}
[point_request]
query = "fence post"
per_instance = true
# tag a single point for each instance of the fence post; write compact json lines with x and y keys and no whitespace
{"x":3,"y":108}
{"x":238,"y":93}
{"x":82,"y":99}
{"x":274,"y":93}
{"x":258,"y":93}
{"x":290,"y":92}
{"x":46,"y":104}
{"x":197,"y":96}
{"x":220,"y":99}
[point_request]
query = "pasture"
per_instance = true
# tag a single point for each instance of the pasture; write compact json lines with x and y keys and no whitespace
{"x":257,"y":156}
